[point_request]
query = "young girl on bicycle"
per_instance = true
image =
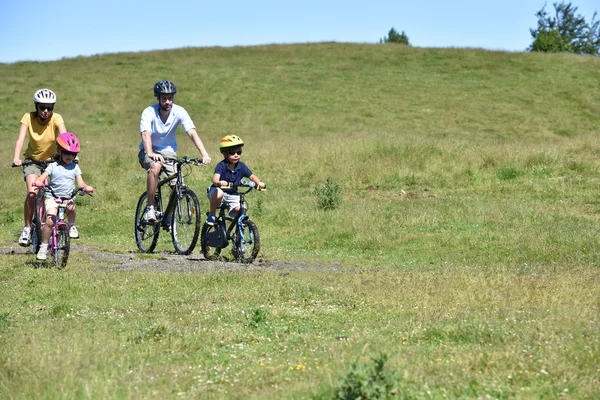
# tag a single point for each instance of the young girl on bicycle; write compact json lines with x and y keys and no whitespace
{"x":42,"y":126}
{"x":61,"y":175}
{"x":231,"y":169}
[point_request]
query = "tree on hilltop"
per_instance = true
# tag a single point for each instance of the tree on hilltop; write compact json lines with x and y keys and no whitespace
{"x":565,"y":32}
{"x":395,"y":37}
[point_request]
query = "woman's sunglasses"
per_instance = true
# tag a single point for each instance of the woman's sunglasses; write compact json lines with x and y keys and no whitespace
{"x":43,"y":107}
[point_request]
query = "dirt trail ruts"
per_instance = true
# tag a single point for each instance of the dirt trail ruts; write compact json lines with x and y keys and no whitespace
{"x":171,"y":262}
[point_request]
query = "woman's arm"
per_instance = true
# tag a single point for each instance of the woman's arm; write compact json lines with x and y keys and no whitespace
{"x":19,"y":145}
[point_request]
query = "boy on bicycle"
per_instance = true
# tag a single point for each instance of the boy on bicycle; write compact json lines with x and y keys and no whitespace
{"x":231,"y":169}
{"x":61,"y":175}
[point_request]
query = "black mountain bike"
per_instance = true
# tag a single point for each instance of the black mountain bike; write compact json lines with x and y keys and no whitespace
{"x":39,"y":216}
{"x":180,"y":217}
{"x":242,"y":233}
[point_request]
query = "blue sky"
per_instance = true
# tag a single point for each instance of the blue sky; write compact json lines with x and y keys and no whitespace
{"x":51,"y":30}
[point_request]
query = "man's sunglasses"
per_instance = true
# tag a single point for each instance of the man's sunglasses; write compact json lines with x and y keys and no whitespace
{"x":231,"y":152}
{"x":43,"y":107}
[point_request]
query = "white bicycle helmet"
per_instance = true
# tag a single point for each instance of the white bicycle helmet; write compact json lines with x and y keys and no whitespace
{"x":45,"y":96}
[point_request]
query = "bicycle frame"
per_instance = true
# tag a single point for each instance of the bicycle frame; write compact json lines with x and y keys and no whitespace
{"x":59,"y":230}
{"x":239,"y":230}
{"x":175,"y":192}
{"x":180,"y":216}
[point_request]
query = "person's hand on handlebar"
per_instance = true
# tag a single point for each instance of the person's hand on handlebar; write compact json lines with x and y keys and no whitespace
{"x":88,"y":189}
{"x":157,"y":157}
{"x":206,"y":159}
{"x":17,"y":162}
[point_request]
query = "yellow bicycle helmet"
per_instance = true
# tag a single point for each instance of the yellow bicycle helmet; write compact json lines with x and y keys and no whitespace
{"x":231,"y":141}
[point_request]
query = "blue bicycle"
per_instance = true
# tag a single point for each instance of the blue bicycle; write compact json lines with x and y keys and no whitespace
{"x":242,"y":233}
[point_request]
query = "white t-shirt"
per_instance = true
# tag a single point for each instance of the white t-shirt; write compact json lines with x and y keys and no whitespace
{"x":163,"y":134}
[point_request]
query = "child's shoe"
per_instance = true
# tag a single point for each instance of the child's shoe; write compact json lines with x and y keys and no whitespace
{"x":211,"y":220}
{"x":24,"y":238}
{"x":42,"y":253}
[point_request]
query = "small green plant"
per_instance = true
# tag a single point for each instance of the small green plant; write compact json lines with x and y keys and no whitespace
{"x":368,"y":381}
{"x":9,"y":217}
{"x":329,"y":196}
{"x":507,"y":173}
{"x":257,"y":318}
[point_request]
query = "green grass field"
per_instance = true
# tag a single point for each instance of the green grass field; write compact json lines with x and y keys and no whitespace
{"x":464,"y":252}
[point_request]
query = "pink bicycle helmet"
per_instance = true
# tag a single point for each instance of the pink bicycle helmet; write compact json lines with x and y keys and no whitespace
{"x":68,"y":142}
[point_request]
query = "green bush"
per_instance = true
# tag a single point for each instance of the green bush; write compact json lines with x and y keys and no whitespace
{"x":329,"y":196}
{"x":368,"y":381}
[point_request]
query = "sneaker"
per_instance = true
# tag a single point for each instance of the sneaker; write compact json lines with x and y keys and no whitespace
{"x":41,"y":255}
{"x":150,"y":215}
{"x":73,"y":232}
{"x":24,"y":238}
{"x":211,"y":220}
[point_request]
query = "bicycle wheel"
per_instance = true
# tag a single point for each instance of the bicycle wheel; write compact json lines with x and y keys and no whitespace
{"x":146,"y":233}
{"x":63,"y":246}
{"x":212,"y":240}
{"x":246,"y":247}
{"x":39,"y":216}
{"x":185,"y":222}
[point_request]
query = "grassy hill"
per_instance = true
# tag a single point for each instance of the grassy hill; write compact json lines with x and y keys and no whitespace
{"x":457,"y":145}
{"x":468,"y":223}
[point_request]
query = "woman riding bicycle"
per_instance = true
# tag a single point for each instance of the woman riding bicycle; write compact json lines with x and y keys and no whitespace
{"x":42,"y":126}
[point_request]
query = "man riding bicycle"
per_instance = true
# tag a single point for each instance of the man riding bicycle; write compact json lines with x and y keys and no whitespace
{"x":158,"y":125}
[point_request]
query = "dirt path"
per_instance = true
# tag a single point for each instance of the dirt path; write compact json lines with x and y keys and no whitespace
{"x":170,"y":262}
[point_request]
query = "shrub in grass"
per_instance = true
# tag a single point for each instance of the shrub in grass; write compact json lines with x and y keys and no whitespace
{"x":329,"y":195}
{"x":507,"y":173}
{"x":368,"y":381}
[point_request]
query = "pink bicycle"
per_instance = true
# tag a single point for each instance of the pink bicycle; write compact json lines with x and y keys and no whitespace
{"x":59,"y":244}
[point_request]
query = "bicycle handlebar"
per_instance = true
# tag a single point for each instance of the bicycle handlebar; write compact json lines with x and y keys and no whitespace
{"x":42,"y":164}
{"x":78,"y":191}
{"x":245,"y":183}
{"x":185,"y":160}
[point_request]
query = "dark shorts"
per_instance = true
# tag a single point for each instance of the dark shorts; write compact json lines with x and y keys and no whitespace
{"x":36,"y":169}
